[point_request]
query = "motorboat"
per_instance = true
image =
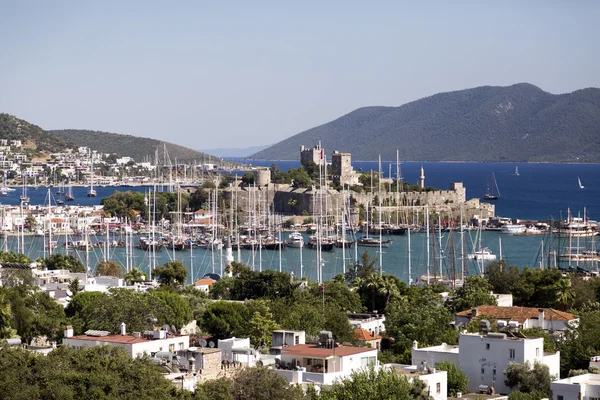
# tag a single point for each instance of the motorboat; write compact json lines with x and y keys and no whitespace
{"x":296,"y":240}
{"x":513,"y":229}
{"x":482,"y":254}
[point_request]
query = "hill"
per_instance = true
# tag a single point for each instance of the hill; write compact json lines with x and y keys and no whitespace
{"x":490,"y":123}
{"x":128,"y":145}
{"x":34,"y":139}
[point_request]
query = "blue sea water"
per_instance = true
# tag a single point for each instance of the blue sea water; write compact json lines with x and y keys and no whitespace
{"x":541,"y":191}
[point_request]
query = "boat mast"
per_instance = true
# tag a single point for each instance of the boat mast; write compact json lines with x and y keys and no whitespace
{"x":462,"y":246}
{"x":379,"y":214}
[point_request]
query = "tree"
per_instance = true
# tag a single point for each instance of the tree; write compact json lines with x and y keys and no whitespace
{"x":224,"y":319}
{"x":581,"y":341}
{"x":457,"y":379}
{"x":419,"y":315}
{"x":476,"y":291}
{"x":8,"y":257}
{"x":109,"y":268}
{"x":370,"y":384}
{"x":60,"y":261}
{"x":134,"y":275}
{"x":261,"y":325}
{"x":173,"y":273}
{"x":74,"y":287}
{"x":564,"y":293}
{"x":94,"y":373}
{"x":248,"y":178}
{"x":527,"y":379}
{"x":177,"y":311}
{"x":217,"y":389}
{"x":264,"y":384}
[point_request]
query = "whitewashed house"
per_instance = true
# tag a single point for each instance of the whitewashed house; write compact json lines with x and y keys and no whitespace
{"x":580,"y":387}
{"x":136,"y":344}
{"x":484,"y":357}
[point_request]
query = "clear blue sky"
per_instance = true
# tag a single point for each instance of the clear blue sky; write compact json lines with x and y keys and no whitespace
{"x":234,"y":74}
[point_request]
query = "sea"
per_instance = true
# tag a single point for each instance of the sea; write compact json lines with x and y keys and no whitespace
{"x":538,"y":192}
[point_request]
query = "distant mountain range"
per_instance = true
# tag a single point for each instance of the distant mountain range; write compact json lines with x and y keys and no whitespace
{"x":38,"y":143}
{"x":234,"y":152}
{"x":489,"y":123}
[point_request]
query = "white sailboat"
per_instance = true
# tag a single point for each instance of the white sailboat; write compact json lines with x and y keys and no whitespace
{"x":580,"y":185}
{"x":517,"y":171}
{"x":91,"y":192}
{"x":24,"y":198}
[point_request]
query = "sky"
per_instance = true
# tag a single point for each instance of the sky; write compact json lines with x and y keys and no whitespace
{"x":208,"y":74}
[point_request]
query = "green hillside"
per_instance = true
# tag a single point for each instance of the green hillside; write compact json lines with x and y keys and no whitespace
{"x":35,"y":140}
{"x":515,"y":123}
{"x":128,"y":145}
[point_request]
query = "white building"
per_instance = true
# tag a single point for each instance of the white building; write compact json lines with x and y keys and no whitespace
{"x":581,"y":387}
{"x":527,"y":317}
{"x":484,"y":357}
{"x":374,"y":323}
{"x":309,"y":363}
{"x":435,"y":381}
{"x":136,"y":344}
{"x":238,"y":350}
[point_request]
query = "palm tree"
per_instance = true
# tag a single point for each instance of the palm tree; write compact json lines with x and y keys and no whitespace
{"x":564,"y":293}
{"x":135,"y":275}
{"x":373,"y":284}
{"x":389,"y":288}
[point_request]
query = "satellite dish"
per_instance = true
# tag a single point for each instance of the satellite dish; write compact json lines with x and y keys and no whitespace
{"x":203,"y":342}
{"x":211,"y":344}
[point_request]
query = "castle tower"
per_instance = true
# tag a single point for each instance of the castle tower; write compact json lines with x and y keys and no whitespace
{"x":422,"y":178}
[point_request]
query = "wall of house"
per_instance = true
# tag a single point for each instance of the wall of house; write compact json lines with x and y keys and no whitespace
{"x":437,"y":384}
{"x":584,"y":387}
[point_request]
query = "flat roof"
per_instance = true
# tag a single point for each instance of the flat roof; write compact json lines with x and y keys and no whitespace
{"x":122,"y":339}
{"x":313,"y":351}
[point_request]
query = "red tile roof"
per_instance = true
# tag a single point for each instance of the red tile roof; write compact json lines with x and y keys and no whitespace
{"x":206,"y":281}
{"x":125,"y":339}
{"x":313,"y":351}
{"x":364,"y":335}
{"x":519,"y":314}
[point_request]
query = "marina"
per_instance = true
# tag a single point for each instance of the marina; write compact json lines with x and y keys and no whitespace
{"x":525,"y":242}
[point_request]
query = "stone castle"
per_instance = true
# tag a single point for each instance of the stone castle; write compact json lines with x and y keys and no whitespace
{"x":288,"y":200}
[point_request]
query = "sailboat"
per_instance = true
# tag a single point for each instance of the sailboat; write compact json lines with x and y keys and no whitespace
{"x":91,"y":192}
{"x":517,"y":171}
{"x":24,"y":198}
{"x":69,"y":196}
{"x":490,"y":194}
{"x":580,"y":185}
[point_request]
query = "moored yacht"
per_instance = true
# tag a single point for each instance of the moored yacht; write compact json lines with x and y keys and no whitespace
{"x":296,"y":240}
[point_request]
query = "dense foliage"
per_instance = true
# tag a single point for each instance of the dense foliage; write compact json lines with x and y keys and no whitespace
{"x":95,"y":373}
{"x":28,"y":313}
{"x":12,"y":128}
{"x":124,"y":204}
{"x":515,"y":123}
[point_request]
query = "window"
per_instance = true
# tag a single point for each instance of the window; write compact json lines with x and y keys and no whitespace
{"x":487,"y":346}
{"x":181,"y":346}
{"x":438,"y":387}
{"x":366,"y":361}
{"x":537,"y":351}
{"x":511,"y":354}
{"x":482,"y":371}
{"x":560,"y":397}
{"x":172,"y":347}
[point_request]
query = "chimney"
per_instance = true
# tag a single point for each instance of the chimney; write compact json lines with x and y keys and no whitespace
{"x":473,"y":312}
{"x":69,"y":331}
{"x":541,"y":318}
{"x":123,"y":329}
{"x":415,"y":344}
